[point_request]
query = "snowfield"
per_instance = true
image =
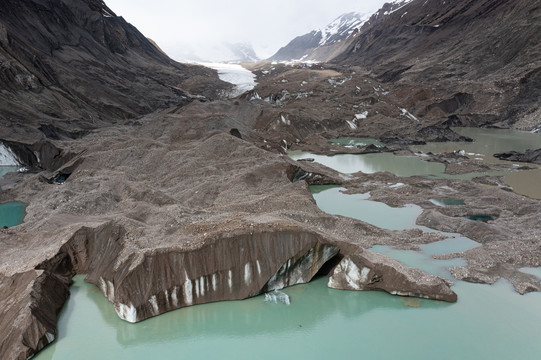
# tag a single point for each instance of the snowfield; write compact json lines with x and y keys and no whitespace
{"x":244,"y":80}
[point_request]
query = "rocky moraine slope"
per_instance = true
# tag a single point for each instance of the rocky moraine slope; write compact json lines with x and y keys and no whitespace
{"x":146,"y":178}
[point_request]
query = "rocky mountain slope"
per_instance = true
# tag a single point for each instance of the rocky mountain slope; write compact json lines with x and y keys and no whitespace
{"x":466,"y":62}
{"x":67,"y":66}
{"x":475,"y":62}
{"x":323,"y":44}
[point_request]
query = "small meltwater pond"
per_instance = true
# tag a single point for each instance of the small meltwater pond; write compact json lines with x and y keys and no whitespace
{"x":7,"y":169}
{"x":330,"y":199}
{"x":12,"y":213}
{"x":403,"y":166}
{"x":487,"y":142}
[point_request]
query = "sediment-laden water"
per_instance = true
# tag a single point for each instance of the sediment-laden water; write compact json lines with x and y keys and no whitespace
{"x":487,"y":142}
{"x":487,"y":322}
{"x":7,"y":169}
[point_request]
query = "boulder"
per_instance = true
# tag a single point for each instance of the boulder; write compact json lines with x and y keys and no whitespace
{"x":529,"y":156}
{"x":367,"y":270}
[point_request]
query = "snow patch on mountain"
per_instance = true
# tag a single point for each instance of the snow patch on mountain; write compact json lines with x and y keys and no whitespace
{"x":397,"y":5}
{"x":342,"y":27}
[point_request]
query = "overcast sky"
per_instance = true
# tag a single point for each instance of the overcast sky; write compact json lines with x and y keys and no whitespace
{"x":180,"y":25}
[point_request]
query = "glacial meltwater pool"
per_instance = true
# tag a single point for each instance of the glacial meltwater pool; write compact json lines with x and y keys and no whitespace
{"x":487,"y":322}
{"x":403,"y":166}
{"x":487,"y":142}
{"x":7,"y":169}
{"x":12,"y":213}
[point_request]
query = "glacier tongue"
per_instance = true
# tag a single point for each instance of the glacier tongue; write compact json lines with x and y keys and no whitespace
{"x":243,"y":79}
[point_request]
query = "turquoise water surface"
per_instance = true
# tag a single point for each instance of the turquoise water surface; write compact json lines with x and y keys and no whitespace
{"x":403,"y":166}
{"x":12,"y":213}
{"x":487,"y":322}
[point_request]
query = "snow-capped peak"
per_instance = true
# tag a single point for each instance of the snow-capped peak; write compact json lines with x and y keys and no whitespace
{"x":342,"y":27}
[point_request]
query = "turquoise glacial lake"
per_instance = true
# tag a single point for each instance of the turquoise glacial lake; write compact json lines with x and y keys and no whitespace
{"x":487,"y":322}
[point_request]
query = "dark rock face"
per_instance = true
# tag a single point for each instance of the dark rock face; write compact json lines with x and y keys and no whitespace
{"x":529,"y":156}
{"x":68,"y":66}
{"x":29,"y":304}
{"x":298,"y":47}
{"x":440,"y":133}
{"x":368,"y":270}
{"x":41,"y":155}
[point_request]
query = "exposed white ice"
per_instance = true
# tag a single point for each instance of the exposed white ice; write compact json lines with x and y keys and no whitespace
{"x":49,"y":336}
{"x":258,"y":267}
{"x":247,"y":273}
{"x":202,"y":285}
{"x":174,"y":296}
{"x":243,"y":79}
{"x":407,"y":114}
{"x":351,"y":124}
{"x":154,"y":303}
{"x":214,"y":281}
{"x":7,"y":157}
{"x":188,"y":296}
{"x":362,"y":115}
{"x":277,"y":296}
{"x":111,"y":290}
{"x":126,"y":312}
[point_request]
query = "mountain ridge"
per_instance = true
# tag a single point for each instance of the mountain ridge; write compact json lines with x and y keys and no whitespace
{"x":311,"y":46}
{"x":75,"y":65}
